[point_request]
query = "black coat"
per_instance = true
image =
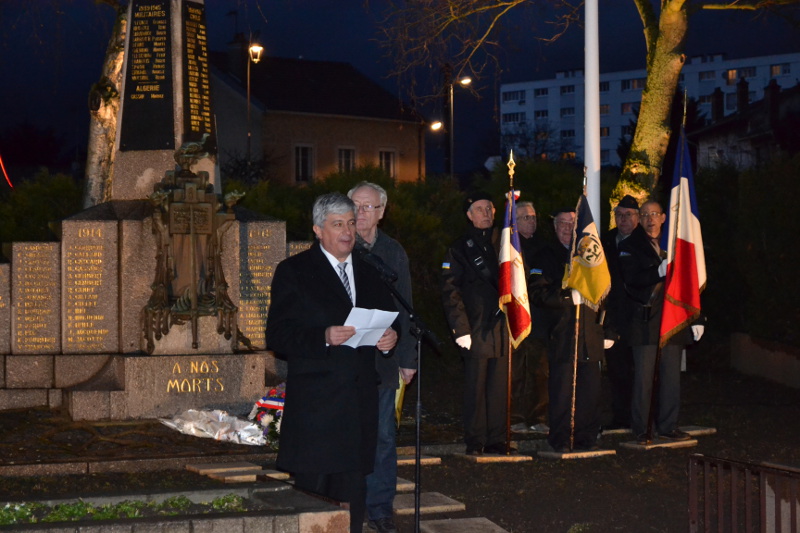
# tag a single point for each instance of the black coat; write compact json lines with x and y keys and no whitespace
{"x":330,"y":417}
{"x":616,"y":305}
{"x":644,"y":289}
{"x":470,"y":296}
{"x":547,"y":272}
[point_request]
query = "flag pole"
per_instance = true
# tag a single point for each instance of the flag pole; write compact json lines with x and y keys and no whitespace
{"x":509,"y":349}
{"x":577,"y":330}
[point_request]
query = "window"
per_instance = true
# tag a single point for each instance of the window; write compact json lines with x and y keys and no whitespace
{"x":538,"y":93}
{"x":633,"y":84}
{"x":604,"y":131}
{"x":731,"y":76}
{"x":730,"y":101}
{"x":567,"y":89}
{"x":514,"y":96}
{"x":605,"y":109}
{"x":567,"y":134}
{"x":567,"y":112}
{"x":540,"y":115}
{"x":605,"y":157}
{"x":628,"y":130}
{"x":387,"y":161}
{"x":347,"y":159}
{"x":568,"y":156}
{"x":303,"y":163}
{"x":627,"y":108}
{"x":706,"y":75}
{"x":747,"y":72}
{"x":605,"y":86}
{"x":780,"y":70}
{"x":513,"y":118}
{"x":706,"y":99}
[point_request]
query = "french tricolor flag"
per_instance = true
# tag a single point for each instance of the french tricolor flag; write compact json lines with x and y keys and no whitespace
{"x":512,"y":284}
{"x":686,"y":262}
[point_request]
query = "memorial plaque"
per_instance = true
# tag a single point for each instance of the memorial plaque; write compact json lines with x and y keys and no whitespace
{"x":295,"y":247}
{"x":90,"y":286}
{"x":183,"y":216}
{"x":196,"y":82}
{"x":36,"y":298}
{"x":5,"y":309}
{"x":263,"y":246}
{"x":147,"y":100}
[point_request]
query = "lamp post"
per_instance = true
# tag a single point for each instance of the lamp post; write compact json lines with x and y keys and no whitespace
{"x":254,"y":56}
{"x":450,"y":149}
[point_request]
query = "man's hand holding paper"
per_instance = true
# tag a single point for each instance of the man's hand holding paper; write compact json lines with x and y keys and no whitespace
{"x":373,"y":328}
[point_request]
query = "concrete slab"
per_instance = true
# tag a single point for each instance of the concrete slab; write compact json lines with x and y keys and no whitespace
{"x":576,"y":454}
{"x":659,"y":443}
{"x":697,"y":431}
{"x":236,"y":476}
{"x":460,"y":525}
{"x":214,"y":468}
{"x":617,"y":431}
{"x":404,"y":485}
{"x":274,"y":474}
{"x":429,"y":502}
{"x":496,"y":458}
{"x":423,"y":460}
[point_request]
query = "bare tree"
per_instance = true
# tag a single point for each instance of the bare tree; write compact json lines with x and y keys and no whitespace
{"x":423,"y":33}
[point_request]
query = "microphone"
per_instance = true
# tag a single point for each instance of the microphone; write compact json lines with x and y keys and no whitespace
{"x":377,"y":263}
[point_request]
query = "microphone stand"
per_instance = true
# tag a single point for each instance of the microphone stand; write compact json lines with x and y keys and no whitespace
{"x":419,"y":330}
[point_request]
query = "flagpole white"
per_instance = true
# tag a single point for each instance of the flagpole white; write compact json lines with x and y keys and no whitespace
{"x":591,"y":77}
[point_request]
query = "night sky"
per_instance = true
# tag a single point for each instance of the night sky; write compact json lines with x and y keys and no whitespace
{"x":50,"y":56}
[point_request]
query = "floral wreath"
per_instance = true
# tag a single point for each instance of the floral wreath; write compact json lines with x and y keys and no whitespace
{"x":268,"y":412}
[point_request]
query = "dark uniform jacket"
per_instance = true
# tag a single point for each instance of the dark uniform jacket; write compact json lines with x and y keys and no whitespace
{"x":330,"y":416}
{"x":616,"y":305}
{"x":547,"y":272}
{"x":541,"y":318}
{"x":470,"y":295}
{"x":644,"y":289}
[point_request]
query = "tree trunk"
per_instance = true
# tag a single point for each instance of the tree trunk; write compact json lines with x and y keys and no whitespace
{"x":104,"y":102}
{"x":665,"y":60}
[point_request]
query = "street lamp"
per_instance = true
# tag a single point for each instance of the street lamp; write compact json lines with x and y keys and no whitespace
{"x":450,"y":152}
{"x":254,"y":53}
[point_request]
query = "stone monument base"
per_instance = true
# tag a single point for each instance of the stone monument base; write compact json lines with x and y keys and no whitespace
{"x":121,"y":387}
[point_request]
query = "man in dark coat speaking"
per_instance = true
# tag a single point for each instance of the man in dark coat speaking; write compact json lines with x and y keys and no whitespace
{"x":329,"y":426}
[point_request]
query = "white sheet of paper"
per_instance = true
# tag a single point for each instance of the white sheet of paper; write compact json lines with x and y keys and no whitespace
{"x":370,"y":325}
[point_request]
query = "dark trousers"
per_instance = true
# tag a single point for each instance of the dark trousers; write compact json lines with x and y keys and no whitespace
{"x":485,"y":400}
{"x":347,"y":487}
{"x":529,"y":374}
{"x":619,"y":366}
{"x":669,"y":388}
{"x":382,"y":482}
{"x":587,"y":395}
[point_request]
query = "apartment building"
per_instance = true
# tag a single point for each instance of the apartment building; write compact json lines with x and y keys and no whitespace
{"x":545,"y":118}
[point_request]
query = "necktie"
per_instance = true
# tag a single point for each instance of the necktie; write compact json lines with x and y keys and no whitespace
{"x":343,"y":274}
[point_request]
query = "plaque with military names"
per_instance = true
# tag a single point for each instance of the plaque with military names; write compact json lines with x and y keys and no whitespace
{"x":36,"y":307}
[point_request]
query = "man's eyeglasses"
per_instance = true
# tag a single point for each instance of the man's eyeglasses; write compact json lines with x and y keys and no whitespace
{"x":651,"y":214}
{"x":368,"y":208}
{"x":527,"y":217}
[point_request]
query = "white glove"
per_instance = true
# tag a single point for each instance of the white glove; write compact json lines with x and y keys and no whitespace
{"x":697,"y":331}
{"x":465,"y":341}
{"x":662,"y":269}
{"x":577,"y":299}
{"x":608,"y":343}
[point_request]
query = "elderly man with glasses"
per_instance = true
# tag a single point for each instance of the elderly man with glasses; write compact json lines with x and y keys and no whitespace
{"x":470,"y":297}
{"x":644,"y":266}
{"x":619,"y":358}
{"x":529,"y":370}
{"x":370,"y":200}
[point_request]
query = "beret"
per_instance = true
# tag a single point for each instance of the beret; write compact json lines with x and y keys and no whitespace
{"x":474,"y":197}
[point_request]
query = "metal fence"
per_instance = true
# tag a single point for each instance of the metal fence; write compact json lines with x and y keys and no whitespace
{"x":732,"y":496}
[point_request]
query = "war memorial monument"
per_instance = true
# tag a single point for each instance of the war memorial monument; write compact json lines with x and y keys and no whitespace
{"x":154,"y":300}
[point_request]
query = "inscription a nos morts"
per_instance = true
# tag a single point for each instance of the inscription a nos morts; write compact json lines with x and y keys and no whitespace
{"x":199,"y":376}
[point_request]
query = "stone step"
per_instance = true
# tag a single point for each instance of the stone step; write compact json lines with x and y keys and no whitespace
{"x":214,"y":468}
{"x":460,"y":525}
{"x":576,"y":454}
{"x":404,"y":485}
{"x":429,"y":502}
{"x":659,"y":443}
{"x":403,"y":460}
{"x":496,"y":458}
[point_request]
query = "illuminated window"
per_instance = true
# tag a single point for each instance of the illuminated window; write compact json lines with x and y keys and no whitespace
{"x":303,"y":163}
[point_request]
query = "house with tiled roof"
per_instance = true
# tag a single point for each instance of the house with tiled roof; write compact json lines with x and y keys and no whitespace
{"x":310,"y":118}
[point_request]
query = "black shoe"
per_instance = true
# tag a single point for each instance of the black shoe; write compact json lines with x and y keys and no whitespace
{"x":499,"y":448}
{"x":383,"y":525}
{"x":587,"y":447}
{"x":676,"y":434}
{"x":642,"y":439}
{"x":561,"y":449}
{"x":472,"y":450}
